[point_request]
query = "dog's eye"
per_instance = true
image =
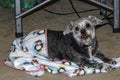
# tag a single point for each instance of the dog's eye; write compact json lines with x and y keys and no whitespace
{"x":87,"y":25}
{"x":76,"y":28}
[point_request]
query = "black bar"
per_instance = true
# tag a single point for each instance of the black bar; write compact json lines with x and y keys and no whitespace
{"x":116,"y":27}
{"x":18,"y":21}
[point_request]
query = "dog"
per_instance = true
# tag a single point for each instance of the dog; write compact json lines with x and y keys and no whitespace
{"x":78,"y":43}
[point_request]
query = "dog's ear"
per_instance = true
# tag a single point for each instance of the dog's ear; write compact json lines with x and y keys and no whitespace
{"x":95,"y":20}
{"x":69,"y":28}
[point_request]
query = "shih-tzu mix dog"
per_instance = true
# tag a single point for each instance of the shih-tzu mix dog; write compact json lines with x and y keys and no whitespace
{"x":78,"y":43}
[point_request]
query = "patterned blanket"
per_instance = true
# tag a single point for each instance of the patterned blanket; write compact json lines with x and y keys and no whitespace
{"x":29,"y":54}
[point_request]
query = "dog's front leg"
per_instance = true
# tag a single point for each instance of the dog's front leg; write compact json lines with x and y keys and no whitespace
{"x":102,"y":57}
{"x":84,"y":62}
{"x":94,"y":64}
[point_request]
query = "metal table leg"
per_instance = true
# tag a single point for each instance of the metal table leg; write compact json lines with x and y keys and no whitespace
{"x":116,"y":27}
{"x":19,"y":14}
{"x":18,"y":21}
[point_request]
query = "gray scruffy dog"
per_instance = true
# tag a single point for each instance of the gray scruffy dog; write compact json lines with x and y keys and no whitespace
{"x":78,"y":43}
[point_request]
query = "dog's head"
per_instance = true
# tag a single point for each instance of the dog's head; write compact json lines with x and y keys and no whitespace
{"x":83,"y":29}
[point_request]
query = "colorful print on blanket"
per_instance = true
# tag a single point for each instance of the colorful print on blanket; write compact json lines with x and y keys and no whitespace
{"x":29,"y":54}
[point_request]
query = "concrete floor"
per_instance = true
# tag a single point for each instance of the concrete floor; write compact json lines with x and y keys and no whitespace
{"x":109,"y":42}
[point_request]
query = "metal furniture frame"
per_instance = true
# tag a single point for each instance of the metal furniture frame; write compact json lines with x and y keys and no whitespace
{"x":19,"y":14}
{"x":102,"y":4}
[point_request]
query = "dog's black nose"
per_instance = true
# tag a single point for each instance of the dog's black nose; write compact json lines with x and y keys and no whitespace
{"x":83,"y":31}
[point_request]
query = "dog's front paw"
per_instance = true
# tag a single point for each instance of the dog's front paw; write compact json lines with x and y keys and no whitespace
{"x":112,"y":62}
{"x":107,"y":67}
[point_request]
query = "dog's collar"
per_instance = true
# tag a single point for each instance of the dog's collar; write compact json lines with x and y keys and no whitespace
{"x":84,"y":45}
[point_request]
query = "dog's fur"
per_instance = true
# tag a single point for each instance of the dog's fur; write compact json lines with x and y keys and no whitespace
{"x":78,"y":44}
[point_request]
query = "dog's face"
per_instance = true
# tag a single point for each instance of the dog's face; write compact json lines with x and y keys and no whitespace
{"x":83,"y":29}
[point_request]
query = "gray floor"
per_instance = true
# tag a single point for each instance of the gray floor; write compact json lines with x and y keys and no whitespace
{"x":109,"y":42}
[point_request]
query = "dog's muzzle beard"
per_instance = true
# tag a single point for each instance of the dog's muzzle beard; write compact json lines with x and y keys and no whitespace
{"x":85,"y":36}
{"x":83,"y":39}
